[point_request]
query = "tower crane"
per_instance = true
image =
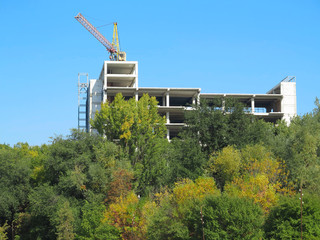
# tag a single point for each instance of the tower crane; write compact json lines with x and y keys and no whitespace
{"x":113,"y":48}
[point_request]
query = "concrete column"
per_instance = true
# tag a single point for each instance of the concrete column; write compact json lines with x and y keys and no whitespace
{"x":136,"y":73}
{"x":105,"y":83}
{"x":223,"y":107}
{"x":167,"y":99}
{"x":136,"y":95}
{"x":168,"y":117}
{"x":252,"y":104}
{"x":168,"y":134}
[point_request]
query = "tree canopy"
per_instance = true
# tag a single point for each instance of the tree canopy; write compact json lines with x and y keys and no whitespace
{"x":228,"y":175}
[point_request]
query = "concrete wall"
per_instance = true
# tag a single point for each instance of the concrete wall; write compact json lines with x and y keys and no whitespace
{"x":95,"y":93}
{"x":289,"y":100}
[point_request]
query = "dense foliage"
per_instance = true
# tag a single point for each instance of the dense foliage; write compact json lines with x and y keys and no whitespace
{"x":227,"y":176}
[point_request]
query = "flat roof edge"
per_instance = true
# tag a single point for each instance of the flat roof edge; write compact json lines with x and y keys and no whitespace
{"x":240,"y":95}
{"x":156,"y":88}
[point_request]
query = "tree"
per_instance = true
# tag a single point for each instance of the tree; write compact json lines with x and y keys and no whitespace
{"x":44,"y":204}
{"x":284,"y":220}
{"x":134,"y":123}
{"x":91,"y":226}
{"x":304,"y":150}
{"x":186,"y":190}
{"x":166,"y":225}
{"x":15,"y":170}
{"x":261,"y":178}
{"x":140,"y":130}
{"x":186,"y":159}
{"x":74,"y":170}
{"x":152,"y":171}
{"x":3,"y":231}
{"x":81,"y":165}
{"x":169,"y":221}
{"x":217,"y":124}
{"x":225,"y":165}
{"x":207,"y":125}
{"x":125,"y":216}
{"x":299,"y":146}
{"x":65,"y":223}
{"x":120,"y":185}
{"x":225,"y":217}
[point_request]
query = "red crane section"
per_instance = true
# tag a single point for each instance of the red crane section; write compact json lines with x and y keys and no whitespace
{"x":81,"y":19}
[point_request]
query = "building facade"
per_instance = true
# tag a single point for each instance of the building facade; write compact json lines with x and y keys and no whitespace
{"x":122,"y":77}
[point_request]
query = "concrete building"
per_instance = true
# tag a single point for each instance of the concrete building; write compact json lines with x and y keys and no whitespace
{"x":122,"y":77}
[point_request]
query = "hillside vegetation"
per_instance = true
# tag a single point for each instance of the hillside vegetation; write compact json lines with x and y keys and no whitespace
{"x":227,"y":176}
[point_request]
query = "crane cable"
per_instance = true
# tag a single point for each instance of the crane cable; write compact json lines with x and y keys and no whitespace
{"x":98,"y":20}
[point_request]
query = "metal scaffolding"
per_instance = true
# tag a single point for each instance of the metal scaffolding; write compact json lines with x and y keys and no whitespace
{"x":83,"y":83}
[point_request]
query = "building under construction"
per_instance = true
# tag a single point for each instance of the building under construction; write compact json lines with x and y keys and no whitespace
{"x":121,"y":76}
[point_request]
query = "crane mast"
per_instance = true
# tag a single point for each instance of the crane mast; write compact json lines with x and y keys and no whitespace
{"x":113,"y":48}
{"x":115,"y":39}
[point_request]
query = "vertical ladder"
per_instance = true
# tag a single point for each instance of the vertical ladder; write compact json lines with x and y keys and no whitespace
{"x":83,"y":83}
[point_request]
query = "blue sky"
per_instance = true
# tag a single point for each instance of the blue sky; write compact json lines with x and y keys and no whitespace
{"x":219,"y":46}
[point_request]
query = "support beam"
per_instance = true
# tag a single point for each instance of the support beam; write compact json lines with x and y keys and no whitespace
{"x":136,"y":96}
{"x":223,"y":107}
{"x":105,"y":82}
{"x":168,"y":117}
{"x":252,"y":105}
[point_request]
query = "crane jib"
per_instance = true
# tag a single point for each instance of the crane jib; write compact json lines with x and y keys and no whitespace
{"x":84,"y":22}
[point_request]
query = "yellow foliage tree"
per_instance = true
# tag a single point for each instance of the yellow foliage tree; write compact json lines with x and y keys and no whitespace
{"x":188,"y":190}
{"x":129,"y":216}
{"x":225,"y":165}
{"x":263,"y":177}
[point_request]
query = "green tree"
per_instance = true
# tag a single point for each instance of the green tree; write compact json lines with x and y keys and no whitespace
{"x":207,"y":126}
{"x":225,"y":217}
{"x":91,"y":219}
{"x":74,"y":170}
{"x":186,"y":159}
{"x":299,"y":146}
{"x":284,"y":220}
{"x":140,"y":130}
{"x":218,"y":127}
{"x":166,"y":225}
{"x":134,"y":123}
{"x":304,"y":163}
{"x":170,"y":219}
{"x":65,"y":222}
{"x":44,"y":205}
{"x":225,"y":165}
{"x":15,"y":170}
{"x":107,"y":231}
{"x":81,"y":165}
{"x":152,"y":171}
{"x":3,"y":231}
